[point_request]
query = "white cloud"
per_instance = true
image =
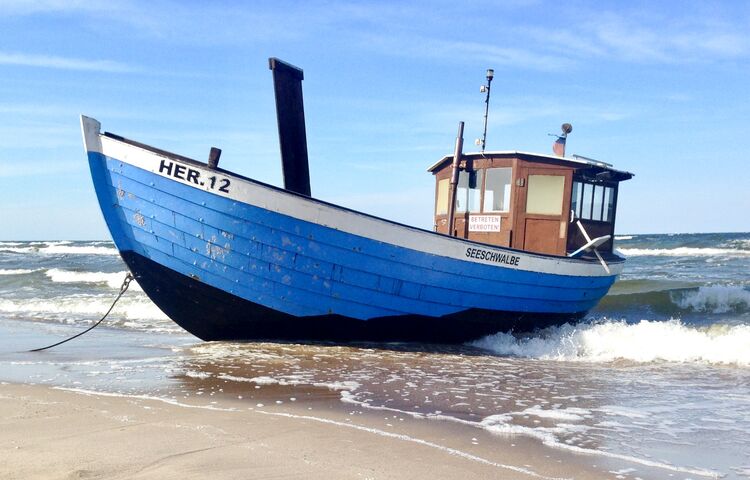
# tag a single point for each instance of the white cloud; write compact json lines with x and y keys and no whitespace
{"x":652,"y":37}
{"x":424,"y":47}
{"x":635,"y":36}
{"x":31,"y":7}
{"x":64,"y":63}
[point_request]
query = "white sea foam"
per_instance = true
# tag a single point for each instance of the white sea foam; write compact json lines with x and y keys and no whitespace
{"x":715,"y":299}
{"x":133,"y":308}
{"x":17,"y":271}
{"x":741,"y":243}
{"x":502,"y":424}
{"x":263,"y":380}
{"x":62,"y":248}
{"x":345,"y":386}
{"x":78,"y":250}
{"x":113,"y":280}
{"x":646,"y":341}
{"x":624,"y":237}
{"x":682,"y":252}
{"x":18,"y":249}
{"x":499,"y":424}
{"x":619,"y":411}
{"x":571,"y":414}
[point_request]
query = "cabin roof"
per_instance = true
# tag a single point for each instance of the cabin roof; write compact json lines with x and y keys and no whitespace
{"x":576,"y":161}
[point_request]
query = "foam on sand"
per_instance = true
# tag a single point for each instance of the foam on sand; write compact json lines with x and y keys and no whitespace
{"x":566,"y":418}
{"x":499,"y":424}
{"x":407,"y":438}
{"x":376,"y":431}
{"x":344,"y":386}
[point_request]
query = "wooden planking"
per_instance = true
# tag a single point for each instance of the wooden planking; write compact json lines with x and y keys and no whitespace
{"x":199,"y":244}
{"x":391,"y":268}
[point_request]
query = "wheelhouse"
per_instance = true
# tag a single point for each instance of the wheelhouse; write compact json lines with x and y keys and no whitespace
{"x":527,"y":201}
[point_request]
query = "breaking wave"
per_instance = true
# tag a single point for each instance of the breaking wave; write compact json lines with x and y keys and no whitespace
{"x":77,"y":250}
{"x":682,"y":252}
{"x":16,"y":271}
{"x":112,"y":280}
{"x":61,"y":248}
{"x":75,"y":306}
{"x":715,"y":299}
{"x":645,"y":341}
{"x":665,"y":299}
{"x":739,"y":243}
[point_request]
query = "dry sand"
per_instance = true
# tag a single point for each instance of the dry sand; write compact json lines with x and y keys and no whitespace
{"x":60,"y":434}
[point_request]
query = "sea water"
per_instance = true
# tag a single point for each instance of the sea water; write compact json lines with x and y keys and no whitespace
{"x":657,"y":376}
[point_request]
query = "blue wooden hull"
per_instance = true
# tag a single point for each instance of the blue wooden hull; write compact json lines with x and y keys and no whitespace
{"x":259,"y":262}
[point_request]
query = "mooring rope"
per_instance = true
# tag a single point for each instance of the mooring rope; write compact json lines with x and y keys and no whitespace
{"x":123,"y":289}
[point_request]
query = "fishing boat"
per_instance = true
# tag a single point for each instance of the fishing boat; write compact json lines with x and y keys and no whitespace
{"x":520,"y":241}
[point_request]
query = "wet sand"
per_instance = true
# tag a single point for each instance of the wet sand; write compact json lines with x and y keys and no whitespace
{"x":50,"y":433}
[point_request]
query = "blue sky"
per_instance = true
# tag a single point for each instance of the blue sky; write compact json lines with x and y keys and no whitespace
{"x":656,"y":88}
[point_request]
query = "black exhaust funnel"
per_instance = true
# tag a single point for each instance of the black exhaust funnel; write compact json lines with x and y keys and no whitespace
{"x":290,"y":115}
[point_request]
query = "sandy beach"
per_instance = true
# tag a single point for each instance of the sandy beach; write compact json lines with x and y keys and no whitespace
{"x":55,"y":433}
{"x":648,"y":397}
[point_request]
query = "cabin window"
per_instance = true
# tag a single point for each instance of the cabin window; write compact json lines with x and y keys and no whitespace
{"x":469,"y":191}
{"x":545,"y":194}
{"x":593,"y":202}
{"x":497,"y":190}
{"x":587,"y":196}
{"x":596,"y":208}
{"x":609,"y":204}
{"x":575,"y":202}
{"x":441,"y":207}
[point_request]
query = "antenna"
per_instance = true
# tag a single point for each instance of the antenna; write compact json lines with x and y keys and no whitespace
{"x":486,"y":89}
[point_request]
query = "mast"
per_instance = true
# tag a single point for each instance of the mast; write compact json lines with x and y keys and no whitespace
{"x":486,"y":88}
{"x":454,"y":178}
{"x":290,"y":115}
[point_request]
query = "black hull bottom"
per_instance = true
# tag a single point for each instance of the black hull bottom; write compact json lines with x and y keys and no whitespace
{"x":213,"y":314}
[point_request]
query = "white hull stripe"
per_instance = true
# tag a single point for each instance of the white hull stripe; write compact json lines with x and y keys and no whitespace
{"x":241,"y":190}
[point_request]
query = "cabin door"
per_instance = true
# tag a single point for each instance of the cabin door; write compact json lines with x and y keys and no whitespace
{"x":542,"y":206}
